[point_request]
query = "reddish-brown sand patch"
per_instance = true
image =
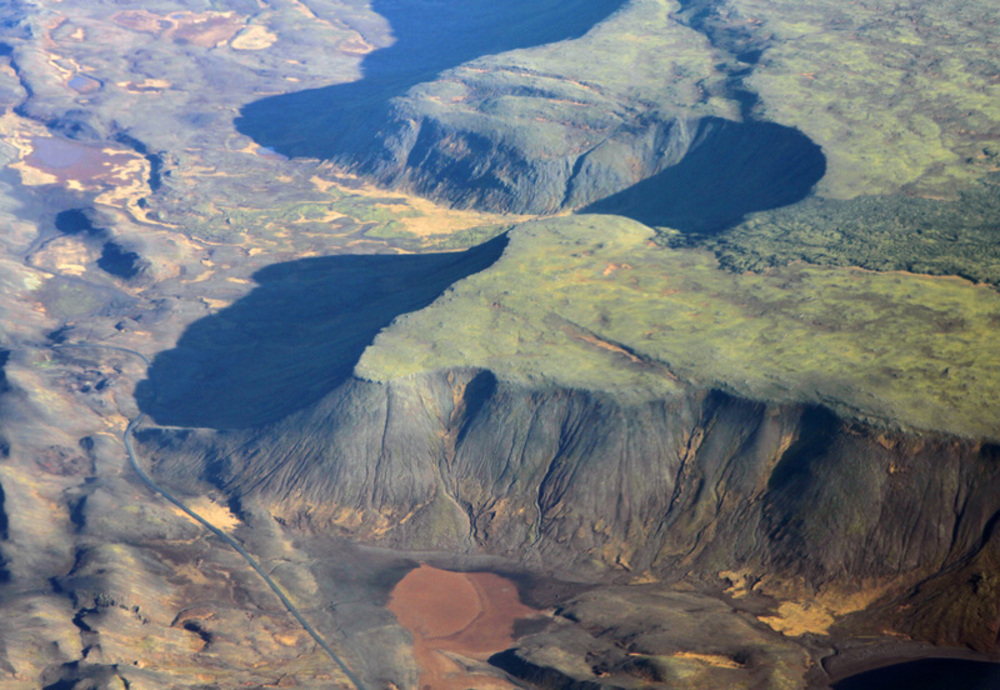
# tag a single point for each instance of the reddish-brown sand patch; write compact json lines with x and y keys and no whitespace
{"x":208,"y":30}
{"x":81,"y":83}
{"x":142,"y":21}
{"x":467,"y":614}
{"x":70,"y":160}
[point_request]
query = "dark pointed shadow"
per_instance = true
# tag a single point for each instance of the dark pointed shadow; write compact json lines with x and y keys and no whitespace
{"x":731,"y":169}
{"x":927,"y":674}
{"x":431,"y":36}
{"x":295,"y":337}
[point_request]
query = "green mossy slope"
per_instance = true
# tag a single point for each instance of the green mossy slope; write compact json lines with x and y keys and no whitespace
{"x":900,"y":95}
{"x":880,"y":233}
{"x":592,"y":302}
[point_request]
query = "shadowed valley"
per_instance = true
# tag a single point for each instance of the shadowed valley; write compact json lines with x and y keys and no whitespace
{"x":295,"y":337}
{"x":430,"y":37}
{"x":730,"y":170}
{"x":482,"y":138}
{"x":698,"y":410}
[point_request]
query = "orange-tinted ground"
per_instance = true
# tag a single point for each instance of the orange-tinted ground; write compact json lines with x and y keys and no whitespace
{"x":465,"y":614}
{"x":70,"y":160}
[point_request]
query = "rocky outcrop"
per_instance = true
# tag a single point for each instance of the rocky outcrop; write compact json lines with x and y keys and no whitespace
{"x":628,"y":636}
{"x":472,"y":161}
{"x":411,"y":122}
{"x":489,"y":157}
{"x":690,"y":486}
{"x":490,"y":120}
{"x":585,"y":150}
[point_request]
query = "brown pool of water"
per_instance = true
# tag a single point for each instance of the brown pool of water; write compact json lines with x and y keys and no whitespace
{"x":81,"y":83}
{"x":469,"y":615}
{"x":70,"y":160}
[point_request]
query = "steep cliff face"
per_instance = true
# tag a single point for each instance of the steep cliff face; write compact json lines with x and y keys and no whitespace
{"x":569,"y":105}
{"x":693,"y":485}
{"x":474,"y":160}
{"x":457,"y":460}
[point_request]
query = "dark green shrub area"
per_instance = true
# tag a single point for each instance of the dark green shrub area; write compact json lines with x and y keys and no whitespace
{"x":881,"y":233}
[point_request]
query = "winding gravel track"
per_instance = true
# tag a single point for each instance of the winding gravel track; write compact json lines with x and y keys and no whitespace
{"x":251,"y":561}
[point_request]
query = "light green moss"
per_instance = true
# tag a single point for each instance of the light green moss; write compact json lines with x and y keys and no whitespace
{"x":899,"y":95}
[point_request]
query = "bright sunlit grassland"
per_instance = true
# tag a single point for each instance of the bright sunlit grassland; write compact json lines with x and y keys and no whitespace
{"x":590,"y":301}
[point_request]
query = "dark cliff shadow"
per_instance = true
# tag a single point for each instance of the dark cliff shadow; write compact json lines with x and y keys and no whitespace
{"x":731,"y":169}
{"x":431,"y":36}
{"x":927,"y":674}
{"x":114,"y":259}
{"x":295,"y":337}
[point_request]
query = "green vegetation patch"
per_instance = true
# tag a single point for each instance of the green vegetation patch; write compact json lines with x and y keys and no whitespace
{"x":591,"y":302}
{"x":640,"y":53}
{"x":339,"y":215}
{"x":900,"y":95}
{"x":391,"y":230}
{"x":463,"y":239}
{"x":68,"y":298}
{"x":897,"y":233}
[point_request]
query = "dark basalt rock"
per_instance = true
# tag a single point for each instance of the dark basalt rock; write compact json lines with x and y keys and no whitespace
{"x":119,"y":261}
{"x":539,"y":676}
{"x":694,"y":485}
{"x":76,"y":221}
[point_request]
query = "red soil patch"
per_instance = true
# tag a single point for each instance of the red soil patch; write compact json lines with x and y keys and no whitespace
{"x":467,"y":614}
{"x":205,"y":30}
{"x":142,"y":21}
{"x":209,"y":31}
{"x":69,"y":160}
{"x":84,"y":84}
